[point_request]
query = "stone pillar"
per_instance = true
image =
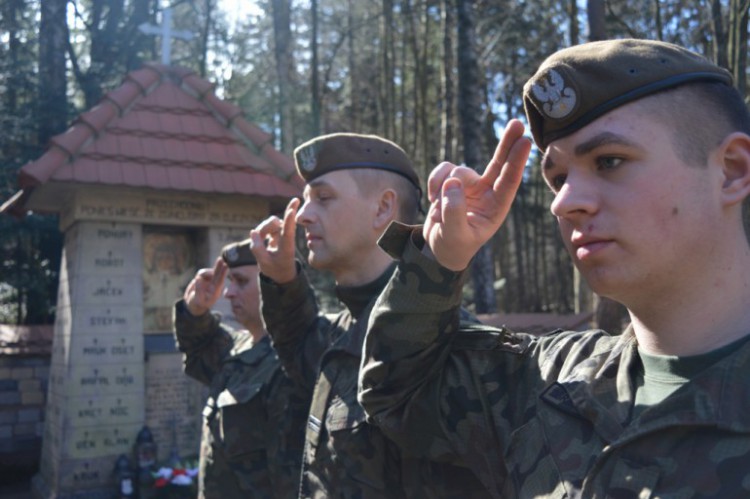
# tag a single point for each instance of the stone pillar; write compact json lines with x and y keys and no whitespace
{"x":95,"y":403}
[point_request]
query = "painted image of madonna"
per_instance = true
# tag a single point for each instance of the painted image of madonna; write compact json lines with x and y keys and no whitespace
{"x":169,"y":263}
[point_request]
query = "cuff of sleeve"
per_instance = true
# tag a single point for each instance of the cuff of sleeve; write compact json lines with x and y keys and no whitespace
{"x":191,"y":332}
{"x":183,"y":318}
{"x":428,"y":285}
{"x":298,"y":285}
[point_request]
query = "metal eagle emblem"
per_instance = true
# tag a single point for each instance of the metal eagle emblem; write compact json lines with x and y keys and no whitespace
{"x":232,"y":254}
{"x":308,"y":157}
{"x":557,"y":100}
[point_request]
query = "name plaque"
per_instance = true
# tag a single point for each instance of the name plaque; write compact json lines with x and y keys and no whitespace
{"x":102,"y":379}
{"x":88,"y":442}
{"x":108,"y":320}
{"x":146,"y":207}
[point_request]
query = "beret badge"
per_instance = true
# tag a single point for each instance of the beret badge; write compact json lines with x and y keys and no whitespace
{"x":231,"y":254}
{"x":238,"y":254}
{"x":557,"y":101}
{"x":308,"y":157}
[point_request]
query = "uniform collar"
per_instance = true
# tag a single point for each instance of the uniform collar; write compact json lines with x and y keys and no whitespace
{"x":248,"y":353}
{"x":356,"y":298}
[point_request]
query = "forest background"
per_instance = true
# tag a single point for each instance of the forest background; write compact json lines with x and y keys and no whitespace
{"x":439,"y":77}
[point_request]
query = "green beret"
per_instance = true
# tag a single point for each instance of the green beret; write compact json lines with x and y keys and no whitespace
{"x":238,"y":254}
{"x":577,"y":85}
{"x":345,"y":151}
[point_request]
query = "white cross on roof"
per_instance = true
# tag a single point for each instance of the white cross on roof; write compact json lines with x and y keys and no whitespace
{"x":167,"y":33}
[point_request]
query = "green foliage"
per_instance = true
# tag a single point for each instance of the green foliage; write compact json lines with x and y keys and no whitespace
{"x":29,"y":248}
{"x":29,"y":267}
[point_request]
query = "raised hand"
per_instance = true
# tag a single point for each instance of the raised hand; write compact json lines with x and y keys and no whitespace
{"x":466,"y":208}
{"x":205,"y":288}
{"x":272,"y":243}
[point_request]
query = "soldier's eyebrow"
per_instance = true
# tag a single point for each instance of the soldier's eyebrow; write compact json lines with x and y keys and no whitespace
{"x":603,"y":139}
{"x":317,"y":183}
{"x":586,"y":147}
{"x":313,"y":185}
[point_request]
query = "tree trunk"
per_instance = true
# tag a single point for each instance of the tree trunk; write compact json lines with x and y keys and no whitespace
{"x":738,"y":25}
{"x":52,"y":76}
{"x":417,"y":141}
{"x":205,"y":30}
{"x":597,"y":27}
{"x":354,"y":92}
{"x":11,"y":10}
{"x":573,"y":19}
{"x":388,"y":92}
{"x":657,"y":20}
{"x":284,"y":71}
{"x":470,"y":110}
{"x":447,"y":149}
{"x":721,"y":50}
{"x":401,"y":127}
{"x":425,"y":111}
{"x":315,"y":77}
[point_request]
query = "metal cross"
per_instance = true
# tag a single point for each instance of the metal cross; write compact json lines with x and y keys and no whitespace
{"x":167,"y":33}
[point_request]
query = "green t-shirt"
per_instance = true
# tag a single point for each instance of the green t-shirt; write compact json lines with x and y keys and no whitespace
{"x":662,"y":375}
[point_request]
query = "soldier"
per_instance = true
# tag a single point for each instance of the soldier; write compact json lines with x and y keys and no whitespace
{"x":356,"y":185}
{"x":253,"y":422}
{"x":647,"y":152}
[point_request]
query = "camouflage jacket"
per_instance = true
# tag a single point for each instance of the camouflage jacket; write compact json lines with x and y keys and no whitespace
{"x":253,"y":421}
{"x":345,"y":456}
{"x":544,"y":416}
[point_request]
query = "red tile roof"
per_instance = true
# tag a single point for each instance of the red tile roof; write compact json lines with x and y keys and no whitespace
{"x":164,"y":128}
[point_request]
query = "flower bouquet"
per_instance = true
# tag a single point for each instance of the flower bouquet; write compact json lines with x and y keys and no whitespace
{"x":179,"y":480}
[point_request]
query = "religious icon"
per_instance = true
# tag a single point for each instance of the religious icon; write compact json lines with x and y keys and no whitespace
{"x":168,"y":266}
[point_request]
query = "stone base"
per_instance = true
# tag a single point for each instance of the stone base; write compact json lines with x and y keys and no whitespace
{"x":40,"y":489}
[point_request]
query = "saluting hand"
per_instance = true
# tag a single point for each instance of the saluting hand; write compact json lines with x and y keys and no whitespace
{"x":205,"y":288}
{"x":272,"y":243}
{"x":466,"y":208}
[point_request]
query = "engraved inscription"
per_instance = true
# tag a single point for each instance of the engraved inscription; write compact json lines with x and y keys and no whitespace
{"x":118,"y":234}
{"x":104,"y":211}
{"x":108,"y":290}
{"x":175,"y":209}
{"x":122,"y":349}
{"x":109,"y":261}
{"x":108,"y":321}
{"x":124,"y":379}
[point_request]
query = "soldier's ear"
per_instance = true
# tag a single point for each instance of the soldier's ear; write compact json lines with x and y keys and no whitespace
{"x":734,"y":158}
{"x":387,"y":209}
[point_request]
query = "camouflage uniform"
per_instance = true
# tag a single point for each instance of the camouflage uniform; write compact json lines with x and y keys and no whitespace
{"x":253,"y":419}
{"x":544,"y":416}
{"x":344,"y":455}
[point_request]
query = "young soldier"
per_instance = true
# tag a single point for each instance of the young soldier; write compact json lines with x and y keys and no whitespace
{"x":647,"y":151}
{"x":253,"y":427}
{"x":356,"y":185}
